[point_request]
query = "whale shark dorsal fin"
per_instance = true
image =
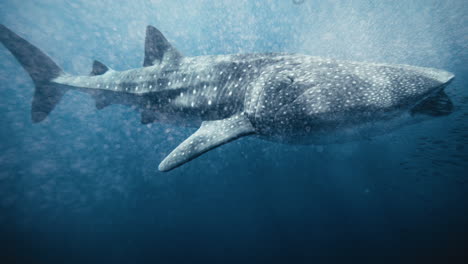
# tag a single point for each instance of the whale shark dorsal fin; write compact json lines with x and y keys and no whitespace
{"x":158,"y":49}
{"x":98,"y":68}
{"x":210,"y":135}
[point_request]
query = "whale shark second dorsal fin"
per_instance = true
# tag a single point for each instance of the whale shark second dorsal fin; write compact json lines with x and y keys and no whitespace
{"x":98,"y":68}
{"x":158,"y":49}
{"x":210,"y":135}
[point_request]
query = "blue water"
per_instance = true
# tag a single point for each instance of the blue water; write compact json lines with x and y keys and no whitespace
{"x":83,"y":186}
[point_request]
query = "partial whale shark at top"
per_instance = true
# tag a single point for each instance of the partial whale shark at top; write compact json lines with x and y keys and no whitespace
{"x":290,"y":98}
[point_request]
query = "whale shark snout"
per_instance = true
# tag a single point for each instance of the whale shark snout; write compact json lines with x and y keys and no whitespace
{"x":437,"y":103}
{"x":440,"y":76}
{"x":443,"y":78}
{"x":446,"y":77}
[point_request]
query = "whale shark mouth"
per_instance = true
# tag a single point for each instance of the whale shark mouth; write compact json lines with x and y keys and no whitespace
{"x":438,"y":104}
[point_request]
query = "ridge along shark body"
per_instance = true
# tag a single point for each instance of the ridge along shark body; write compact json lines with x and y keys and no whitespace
{"x":287,"y":98}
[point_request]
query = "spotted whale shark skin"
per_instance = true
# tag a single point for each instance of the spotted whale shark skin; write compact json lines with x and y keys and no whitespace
{"x":290,"y":98}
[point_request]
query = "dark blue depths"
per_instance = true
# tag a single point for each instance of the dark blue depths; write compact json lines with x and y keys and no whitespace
{"x":83,"y":186}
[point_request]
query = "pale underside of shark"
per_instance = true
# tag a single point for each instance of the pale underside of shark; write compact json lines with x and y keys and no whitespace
{"x":287,"y":98}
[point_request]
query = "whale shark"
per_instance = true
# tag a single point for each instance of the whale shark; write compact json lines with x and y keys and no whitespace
{"x":280,"y":97}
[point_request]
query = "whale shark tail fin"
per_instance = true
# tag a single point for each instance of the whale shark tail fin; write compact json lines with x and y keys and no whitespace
{"x":41,"y":69}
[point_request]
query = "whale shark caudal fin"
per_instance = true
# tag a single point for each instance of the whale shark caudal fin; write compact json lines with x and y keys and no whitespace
{"x":157,"y":49}
{"x":210,"y":135}
{"x":41,"y":69}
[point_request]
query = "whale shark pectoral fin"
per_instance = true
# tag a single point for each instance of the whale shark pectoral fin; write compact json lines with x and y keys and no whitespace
{"x":210,"y":135}
{"x":158,"y":49}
